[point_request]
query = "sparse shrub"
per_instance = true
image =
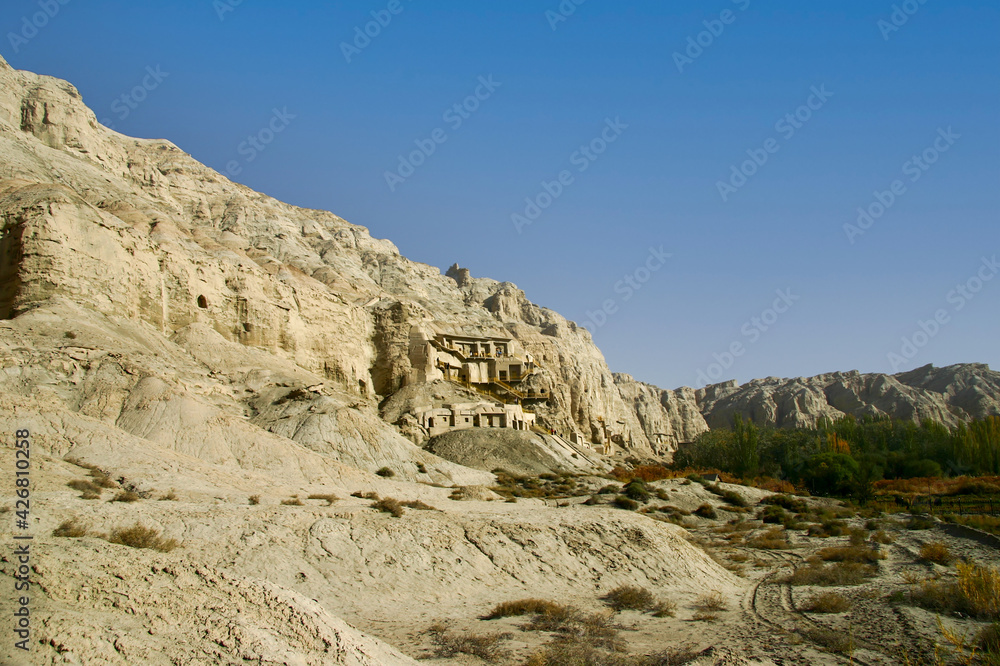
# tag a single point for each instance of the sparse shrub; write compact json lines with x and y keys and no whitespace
{"x":418,"y":505}
{"x":976,"y":487}
{"x":882,"y":537}
{"x":72,"y":528}
{"x":389,"y":505}
{"x":650,"y":473}
{"x":140,"y":536}
{"x":936,"y":552}
{"x":609,"y":490}
{"x":851,"y":554}
{"x":857,"y":536}
{"x":83,"y":485}
{"x":704,"y":616}
{"x":421,"y":468}
{"x":569,"y":650}
{"x":696,"y":478}
{"x":793,"y":504}
{"x":773,"y":539}
{"x":169,"y":497}
{"x":710,"y":602}
{"x":628,"y":597}
{"x":772,"y":514}
{"x":980,"y":587}
{"x":330,"y":498}
{"x":664,"y":608}
{"x":69,"y":335}
{"x":293,"y":501}
{"x":919,"y":523}
{"x":485,"y":646}
{"x":594,"y":500}
{"x":90,"y":495}
{"x":706,"y":511}
{"x":525,"y":607}
{"x":126,"y":496}
{"x":734,"y":498}
{"x":637,"y":490}
{"x":254,"y":500}
{"x":385,"y":472}
{"x":365,"y":495}
{"x":830,"y":527}
{"x":835,"y":574}
{"x":988,"y":639}
{"x":835,"y":641}
{"x":102,"y":479}
{"x":828,"y":602}
{"x":623,"y":502}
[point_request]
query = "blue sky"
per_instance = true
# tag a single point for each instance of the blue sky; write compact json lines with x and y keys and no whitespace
{"x":640,"y":139}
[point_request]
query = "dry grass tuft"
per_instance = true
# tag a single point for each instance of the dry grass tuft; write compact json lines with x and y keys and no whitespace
{"x":828,"y":602}
{"x":882,"y":536}
{"x":84,"y":486}
{"x":863,"y":554}
{"x":706,"y":511}
{"x":417,"y":504}
{"x":936,"y":552}
{"x":773,"y":539}
{"x":330,"y":498}
{"x":389,"y":505}
{"x":711,"y":602}
{"x":525,"y":607}
{"x":628,"y":597}
{"x":293,"y":501}
{"x":664,"y":608}
{"x":140,"y":536}
{"x":834,"y":641}
{"x":169,"y":497}
{"x":704,"y":616}
{"x":126,"y":496}
{"x":835,"y":574}
{"x":485,"y":646}
{"x":254,"y":500}
{"x":72,"y":528}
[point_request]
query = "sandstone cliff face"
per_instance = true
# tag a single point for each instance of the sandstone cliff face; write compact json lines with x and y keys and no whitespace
{"x":138,"y":229}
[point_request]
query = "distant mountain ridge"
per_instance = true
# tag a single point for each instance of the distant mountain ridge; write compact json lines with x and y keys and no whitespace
{"x":948,"y":395}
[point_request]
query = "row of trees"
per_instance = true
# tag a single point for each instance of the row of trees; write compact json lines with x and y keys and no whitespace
{"x":845,"y":456}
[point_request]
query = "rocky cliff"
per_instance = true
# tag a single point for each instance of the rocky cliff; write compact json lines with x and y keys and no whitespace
{"x":137,"y":229}
{"x":297,"y":323}
{"x":948,"y":395}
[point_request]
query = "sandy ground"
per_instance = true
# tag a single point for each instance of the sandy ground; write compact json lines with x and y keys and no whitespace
{"x":261,"y":583}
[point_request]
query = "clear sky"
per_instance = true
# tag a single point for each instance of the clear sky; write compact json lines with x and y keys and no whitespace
{"x":627,"y":124}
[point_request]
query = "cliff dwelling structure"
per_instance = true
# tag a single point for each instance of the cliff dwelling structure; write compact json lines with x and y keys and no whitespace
{"x":495,"y":368}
